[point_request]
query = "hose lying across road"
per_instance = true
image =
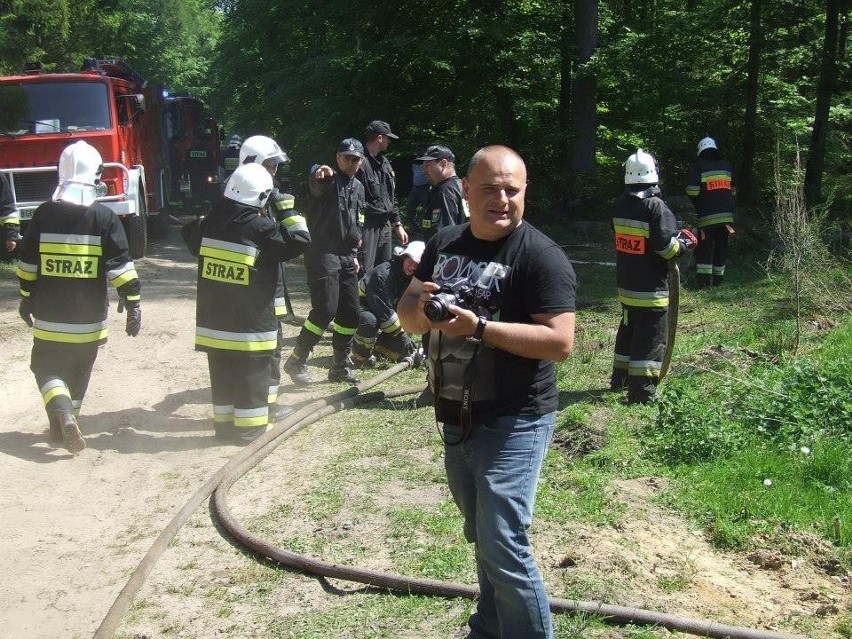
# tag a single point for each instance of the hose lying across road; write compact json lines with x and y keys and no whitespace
{"x":254,"y":453}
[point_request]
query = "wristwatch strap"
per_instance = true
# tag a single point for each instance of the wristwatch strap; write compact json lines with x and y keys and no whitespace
{"x":478,"y":333}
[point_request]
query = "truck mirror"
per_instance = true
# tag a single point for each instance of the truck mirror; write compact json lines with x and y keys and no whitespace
{"x":140,"y":105}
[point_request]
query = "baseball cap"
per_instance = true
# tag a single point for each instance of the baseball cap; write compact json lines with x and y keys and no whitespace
{"x":351,"y":146}
{"x":380,"y":126}
{"x":437,"y":152}
{"x":414,"y":250}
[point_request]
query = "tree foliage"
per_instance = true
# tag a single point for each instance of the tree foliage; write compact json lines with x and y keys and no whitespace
{"x":168,"y":41}
{"x":664,"y":73}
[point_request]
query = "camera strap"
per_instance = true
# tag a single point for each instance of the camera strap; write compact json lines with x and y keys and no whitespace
{"x":465,"y":410}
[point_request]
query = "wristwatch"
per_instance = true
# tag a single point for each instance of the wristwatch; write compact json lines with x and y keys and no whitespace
{"x":476,"y":338}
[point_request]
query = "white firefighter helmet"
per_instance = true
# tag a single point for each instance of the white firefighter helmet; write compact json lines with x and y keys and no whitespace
{"x":250,"y":184}
{"x":80,"y":167}
{"x":706,"y":143}
{"x":414,"y":250}
{"x":259,"y":148}
{"x":640,"y":168}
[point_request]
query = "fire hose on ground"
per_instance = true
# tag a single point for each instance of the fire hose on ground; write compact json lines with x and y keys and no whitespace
{"x":254,"y":453}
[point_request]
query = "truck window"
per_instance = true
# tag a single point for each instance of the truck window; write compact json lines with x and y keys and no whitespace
{"x":53,"y":107}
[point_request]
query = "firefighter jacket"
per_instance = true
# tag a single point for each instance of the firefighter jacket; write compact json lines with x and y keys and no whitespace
{"x":333,"y":217}
{"x":445,"y":207}
{"x":645,"y":240}
{"x":9,"y":221}
{"x":381,"y":289}
{"x":67,"y":256}
{"x":239,"y":252}
{"x":711,"y":187}
{"x":294,"y":228}
{"x":379,"y":180}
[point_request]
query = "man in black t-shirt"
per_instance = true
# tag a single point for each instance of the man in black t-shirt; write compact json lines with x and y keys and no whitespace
{"x":504,"y":317}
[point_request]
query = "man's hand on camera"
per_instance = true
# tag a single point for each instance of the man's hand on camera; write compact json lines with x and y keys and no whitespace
{"x":461,"y":323}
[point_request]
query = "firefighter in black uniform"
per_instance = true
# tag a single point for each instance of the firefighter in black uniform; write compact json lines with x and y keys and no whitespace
{"x":331,"y":263}
{"x":9,"y":220}
{"x":229,"y":158}
{"x":73,"y":246}
{"x":238,"y":255}
{"x":379,"y":329}
{"x":710,"y":186}
{"x":446,"y":206}
{"x":381,"y":212}
{"x":263,"y":150}
{"x":646,"y":237}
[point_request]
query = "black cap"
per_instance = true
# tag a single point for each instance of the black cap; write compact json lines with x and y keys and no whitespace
{"x":437,"y":152}
{"x":380,"y":126}
{"x":351,"y":146}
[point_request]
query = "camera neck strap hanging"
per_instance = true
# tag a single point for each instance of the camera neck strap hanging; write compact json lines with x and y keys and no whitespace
{"x":466,"y":407}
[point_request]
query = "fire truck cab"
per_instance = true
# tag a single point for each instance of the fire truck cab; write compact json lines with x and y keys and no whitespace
{"x":192,"y":138}
{"x":108,"y":105}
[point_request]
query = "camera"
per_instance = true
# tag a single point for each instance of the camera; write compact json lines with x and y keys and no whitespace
{"x":460,"y":293}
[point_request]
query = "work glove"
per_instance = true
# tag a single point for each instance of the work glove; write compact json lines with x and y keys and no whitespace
{"x":25,"y":310}
{"x":415,"y":355}
{"x":134,"y":316}
{"x":686,"y":240}
{"x":413,"y":360}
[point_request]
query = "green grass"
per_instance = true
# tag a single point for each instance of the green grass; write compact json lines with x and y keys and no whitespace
{"x":384,"y":468}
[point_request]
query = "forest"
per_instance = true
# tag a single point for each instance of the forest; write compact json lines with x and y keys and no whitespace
{"x":575,"y":86}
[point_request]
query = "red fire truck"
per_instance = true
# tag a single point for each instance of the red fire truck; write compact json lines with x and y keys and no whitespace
{"x":108,"y":105}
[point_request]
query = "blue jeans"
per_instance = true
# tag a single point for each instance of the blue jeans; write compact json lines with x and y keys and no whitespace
{"x":493,"y":478}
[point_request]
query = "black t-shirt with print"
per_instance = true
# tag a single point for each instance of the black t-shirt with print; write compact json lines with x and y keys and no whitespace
{"x":520,"y":275}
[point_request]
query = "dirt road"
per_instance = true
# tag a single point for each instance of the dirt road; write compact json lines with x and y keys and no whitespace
{"x":72,"y":528}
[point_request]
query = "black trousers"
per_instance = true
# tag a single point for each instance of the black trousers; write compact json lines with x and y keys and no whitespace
{"x":275,"y":368}
{"x":239,"y":385}
{"x":333,"y":282}
{"x":640,"y":346}
{"x":376,"y":242}
{"x":62,"y":372}
{"x":711,"y":254}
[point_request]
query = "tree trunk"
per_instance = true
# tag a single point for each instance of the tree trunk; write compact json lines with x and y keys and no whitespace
{"x":755,"y":45}
{"x":844,"y":29}
{"x":506,"y":116}
{"x":584,"y":100}
{"x":566,"y":77}
{"x":825,"y":89}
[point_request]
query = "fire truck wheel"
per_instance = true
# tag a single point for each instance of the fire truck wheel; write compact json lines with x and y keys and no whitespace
{"x":136,"y":228}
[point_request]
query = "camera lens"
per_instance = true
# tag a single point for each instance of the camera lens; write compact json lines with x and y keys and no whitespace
{"x":435,"y":310}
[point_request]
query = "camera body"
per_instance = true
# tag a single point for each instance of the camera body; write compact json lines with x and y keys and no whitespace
{"x":459,"y":293}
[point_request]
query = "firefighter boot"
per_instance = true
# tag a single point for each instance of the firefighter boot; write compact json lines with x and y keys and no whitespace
{"x":704,"y":281}
{"x":339,"y":371}
{"x":71,"y":435}
{"x":248,"y":435}
{"x":278,"y":413}
{"x":55,"y":432}
{"x":362,"y":352}
{"x":297,"y":369}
